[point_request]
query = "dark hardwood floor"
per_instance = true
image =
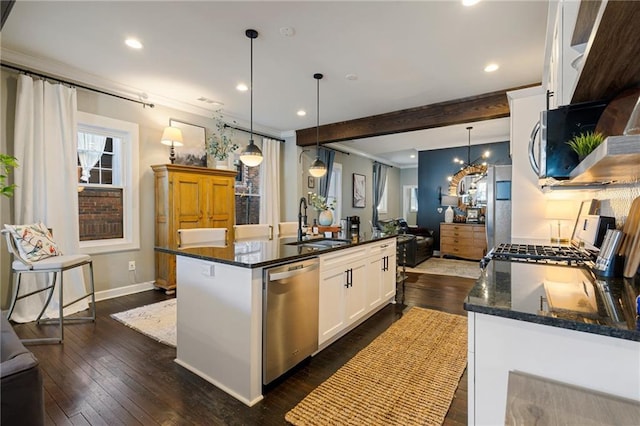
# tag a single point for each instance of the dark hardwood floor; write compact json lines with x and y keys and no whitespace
{"x":108,"y":374}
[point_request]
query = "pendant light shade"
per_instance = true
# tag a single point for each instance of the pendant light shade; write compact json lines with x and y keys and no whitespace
{"x":318,"y":168}
{"x":251,"y":154}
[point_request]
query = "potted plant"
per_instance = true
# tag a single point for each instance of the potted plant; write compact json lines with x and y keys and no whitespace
{"x":219,"y":143}
{"x":584,"y":143}
{"x":319,"y":203}
{"x":7,"y":164}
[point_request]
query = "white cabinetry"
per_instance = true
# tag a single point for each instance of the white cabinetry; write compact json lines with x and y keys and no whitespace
{"x":381,"y":281}
{"x":560,"y":75}
{"x":499,"y":345}
{"x":342,"y":290}
{"x":354,"y":283}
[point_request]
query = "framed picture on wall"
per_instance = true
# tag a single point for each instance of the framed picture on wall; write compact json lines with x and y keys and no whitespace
{"x":193,"y":152}
{"x":359,"y":186}
{"x":311,"y":182}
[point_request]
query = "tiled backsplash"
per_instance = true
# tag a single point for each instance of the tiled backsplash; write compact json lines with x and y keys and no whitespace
{"x":616,"y":202}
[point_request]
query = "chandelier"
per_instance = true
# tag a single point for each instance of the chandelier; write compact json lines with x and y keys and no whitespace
{"x":477,"y":167}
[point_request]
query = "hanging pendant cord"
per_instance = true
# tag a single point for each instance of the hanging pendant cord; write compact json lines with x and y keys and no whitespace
{"x":317,"y":118}
{"x":251,"y":93}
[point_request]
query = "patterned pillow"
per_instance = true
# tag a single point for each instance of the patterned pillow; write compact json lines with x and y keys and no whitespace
{"x":34,"y":242}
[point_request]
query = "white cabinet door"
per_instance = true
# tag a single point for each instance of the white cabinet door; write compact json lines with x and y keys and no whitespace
{"x":342,"y":297}
{"x":331,"y":318}
{"x":355,"y":291}
{"x":375,"y":264}
{"x":381,"y":272}
{"x":389,"y":275}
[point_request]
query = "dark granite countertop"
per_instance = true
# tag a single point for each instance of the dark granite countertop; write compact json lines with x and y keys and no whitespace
{"x":558,"y":296}
{"x":261,"y":253}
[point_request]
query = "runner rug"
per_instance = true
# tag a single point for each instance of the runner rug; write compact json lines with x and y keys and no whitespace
{"x":157,"y":321}
{"x":458,"y":268}
{"x":406,"y":376}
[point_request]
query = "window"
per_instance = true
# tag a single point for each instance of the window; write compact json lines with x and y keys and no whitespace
{"x":382,"y":205}
{"x":413,"y":199}
{"x":107,"y":164}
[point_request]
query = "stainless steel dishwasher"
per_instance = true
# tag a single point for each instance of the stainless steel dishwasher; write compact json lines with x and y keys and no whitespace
{"x":290,"y":316}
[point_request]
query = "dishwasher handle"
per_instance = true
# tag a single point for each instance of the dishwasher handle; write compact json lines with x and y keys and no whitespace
{"x":292,"y":272}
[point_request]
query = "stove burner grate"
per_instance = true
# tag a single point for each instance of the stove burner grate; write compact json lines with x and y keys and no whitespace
{"x":560,"y":255}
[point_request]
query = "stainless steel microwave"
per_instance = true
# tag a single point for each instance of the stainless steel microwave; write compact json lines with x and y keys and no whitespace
{"x":552,"y":157}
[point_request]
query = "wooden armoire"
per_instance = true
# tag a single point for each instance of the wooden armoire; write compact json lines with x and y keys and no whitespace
{"x":189,"y":197}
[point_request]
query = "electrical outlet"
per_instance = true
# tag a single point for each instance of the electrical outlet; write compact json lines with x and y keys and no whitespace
{"x":132,"y":265}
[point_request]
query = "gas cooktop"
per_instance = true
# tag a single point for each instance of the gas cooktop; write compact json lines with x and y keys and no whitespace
{"x":554,"y":255}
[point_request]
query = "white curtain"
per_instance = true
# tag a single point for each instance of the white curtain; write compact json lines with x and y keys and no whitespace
{"x":90,"y":148}
{"x":45,"y":145}
{"x":270,"y":183}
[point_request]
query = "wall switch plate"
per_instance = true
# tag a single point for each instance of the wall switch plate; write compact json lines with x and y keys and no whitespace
{"x":132,"y":265}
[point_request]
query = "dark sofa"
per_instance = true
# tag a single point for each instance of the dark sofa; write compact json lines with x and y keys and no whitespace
{"x":419,"y":248}
{"x":21,"y":389}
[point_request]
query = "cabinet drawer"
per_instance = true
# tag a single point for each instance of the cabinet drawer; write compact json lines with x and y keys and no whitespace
{"x":458,"y":239}
{"x":466,"y":252}
{"x":456,"y":233}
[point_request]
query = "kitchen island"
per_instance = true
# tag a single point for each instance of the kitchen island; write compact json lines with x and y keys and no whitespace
{"x":220,"y":302}
{"x":555,"y":322}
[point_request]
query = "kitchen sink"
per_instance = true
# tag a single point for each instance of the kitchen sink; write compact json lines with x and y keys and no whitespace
{"x":320,"y":244}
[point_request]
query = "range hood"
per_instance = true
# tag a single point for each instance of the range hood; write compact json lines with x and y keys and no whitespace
{"x":615,"y":161}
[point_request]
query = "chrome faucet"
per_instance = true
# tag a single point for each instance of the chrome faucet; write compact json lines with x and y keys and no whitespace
{"x":302,"y":219}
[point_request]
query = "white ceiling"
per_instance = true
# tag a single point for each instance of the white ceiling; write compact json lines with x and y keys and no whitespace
{"x":405,"y":54}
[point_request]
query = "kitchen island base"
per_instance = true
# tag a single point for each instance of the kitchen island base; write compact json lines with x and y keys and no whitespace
{"x":499,"y":345}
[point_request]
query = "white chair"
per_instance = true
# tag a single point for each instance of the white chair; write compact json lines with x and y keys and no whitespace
{"x":54,"y":264}
{"x":288,"y":229}
{"x":247,"y":232}
{"x":202,"y":237}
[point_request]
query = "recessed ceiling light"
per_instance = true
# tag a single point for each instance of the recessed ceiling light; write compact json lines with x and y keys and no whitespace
{"x":301,"y":113}
{"x":412,"y":156}
{"x":470,"y":2}
{"x":242,"y":87}
{"x":491,"y":68}
{"x":133,"y":43}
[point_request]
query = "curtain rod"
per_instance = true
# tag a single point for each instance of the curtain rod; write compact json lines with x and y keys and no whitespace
{"x":334,"y":149}
{"x":255,"y":133}
{"x":70,"y":83}
{"x":380,"y":162}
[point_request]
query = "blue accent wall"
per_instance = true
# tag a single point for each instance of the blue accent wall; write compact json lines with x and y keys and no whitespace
{"x":433,"y":168}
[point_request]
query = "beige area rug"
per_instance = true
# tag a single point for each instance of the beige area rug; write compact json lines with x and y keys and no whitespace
{"x":406,"y":376}
{"x":439,"y":266}
{"x":157,"y":321}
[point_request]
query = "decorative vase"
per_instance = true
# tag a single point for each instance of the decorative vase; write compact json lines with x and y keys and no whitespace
{"x":448,"y":215}
{"x":222,"y":164}
{"x":325,"y":218}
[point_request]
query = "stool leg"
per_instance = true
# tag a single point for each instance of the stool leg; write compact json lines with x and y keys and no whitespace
{"x":16,"y":289}
{"x":61,"y":305}
{"x":93,"y":292}
{"x":52,"y":285}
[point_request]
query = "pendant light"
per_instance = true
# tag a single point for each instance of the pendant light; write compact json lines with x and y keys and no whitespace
{"x":318,"y":168}
{"x":251,"y":155}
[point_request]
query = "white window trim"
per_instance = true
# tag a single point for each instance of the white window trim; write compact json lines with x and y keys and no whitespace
{"x":337,"y":212}
{"x":129,"y":134}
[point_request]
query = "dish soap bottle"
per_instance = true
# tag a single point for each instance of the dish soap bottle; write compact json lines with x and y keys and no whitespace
{"x":314,"y":228}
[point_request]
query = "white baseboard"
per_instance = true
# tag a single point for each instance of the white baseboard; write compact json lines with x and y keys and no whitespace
{"x":123,"y":291}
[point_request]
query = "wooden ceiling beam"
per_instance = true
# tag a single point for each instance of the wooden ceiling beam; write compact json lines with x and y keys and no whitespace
{"x":487,"y":106}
